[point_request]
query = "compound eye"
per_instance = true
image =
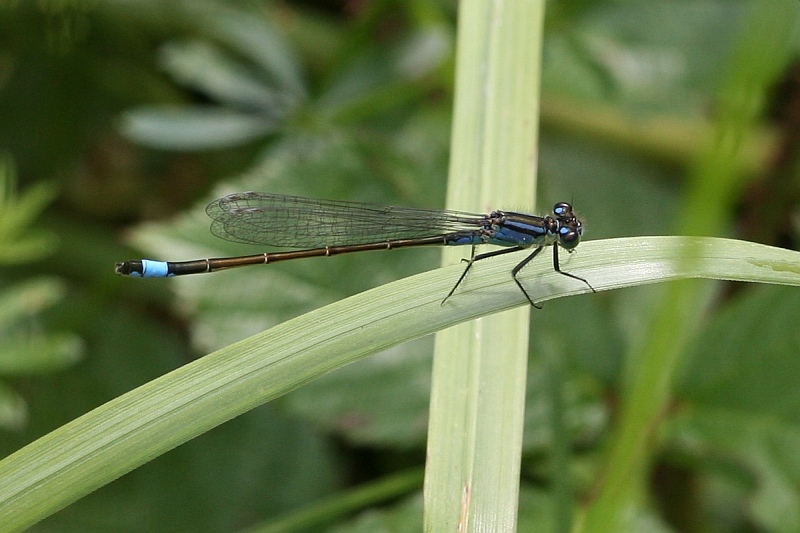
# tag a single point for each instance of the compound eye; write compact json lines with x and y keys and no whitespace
{"x":569,"y":238}
{"x":562,"y":210}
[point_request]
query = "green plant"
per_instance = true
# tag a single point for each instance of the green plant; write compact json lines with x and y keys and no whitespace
{"x":644,"y":409}
{"x":27,"y":346}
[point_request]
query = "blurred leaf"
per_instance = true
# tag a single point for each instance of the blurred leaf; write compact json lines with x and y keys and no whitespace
{"x":424,"y":51}
{"x":537,"y":512}
{"x":25,"y":347}
{"x":37,"y":353}
{"x":405,"y":515}
{"x":323,"y":512}
{"x":253,"y":100}
{"x":203,"y":67}
{"x":387,"y":403}
{"x":747,"y":360}
{"x":18,"y":244}
{"x":36,"y":244}
{"x":654,"y":56}
{"x":742,"y":402}
{"x":19,"y":212}
{"x":585,"y":416}
{"x":13,"y":410}
{"x":194,"y":128}
{"x":28,"y":298}
{"x":255,"y":38}
{"x":765,"y":447}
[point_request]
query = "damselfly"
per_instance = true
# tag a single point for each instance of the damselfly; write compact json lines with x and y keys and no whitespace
{"x":331,"y":227}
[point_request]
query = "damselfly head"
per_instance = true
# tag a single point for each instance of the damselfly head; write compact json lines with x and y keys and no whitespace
{"x":563,"y":211}
{"x":569,"y":233}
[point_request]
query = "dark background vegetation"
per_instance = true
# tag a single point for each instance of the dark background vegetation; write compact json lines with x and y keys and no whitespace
{"x":120,"y":120}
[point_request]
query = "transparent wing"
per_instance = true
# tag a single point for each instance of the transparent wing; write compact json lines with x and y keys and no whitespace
{"x":297,"y":222}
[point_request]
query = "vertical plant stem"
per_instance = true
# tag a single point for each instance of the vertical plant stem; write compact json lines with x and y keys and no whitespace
{"x":477,"y":401}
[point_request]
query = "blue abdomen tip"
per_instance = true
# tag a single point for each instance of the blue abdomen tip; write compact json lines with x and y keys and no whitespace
{"x":154,"y":269}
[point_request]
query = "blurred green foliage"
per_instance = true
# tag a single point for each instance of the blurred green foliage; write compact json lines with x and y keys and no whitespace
{"x":125,"y":118}
{"x":27,"y":345}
